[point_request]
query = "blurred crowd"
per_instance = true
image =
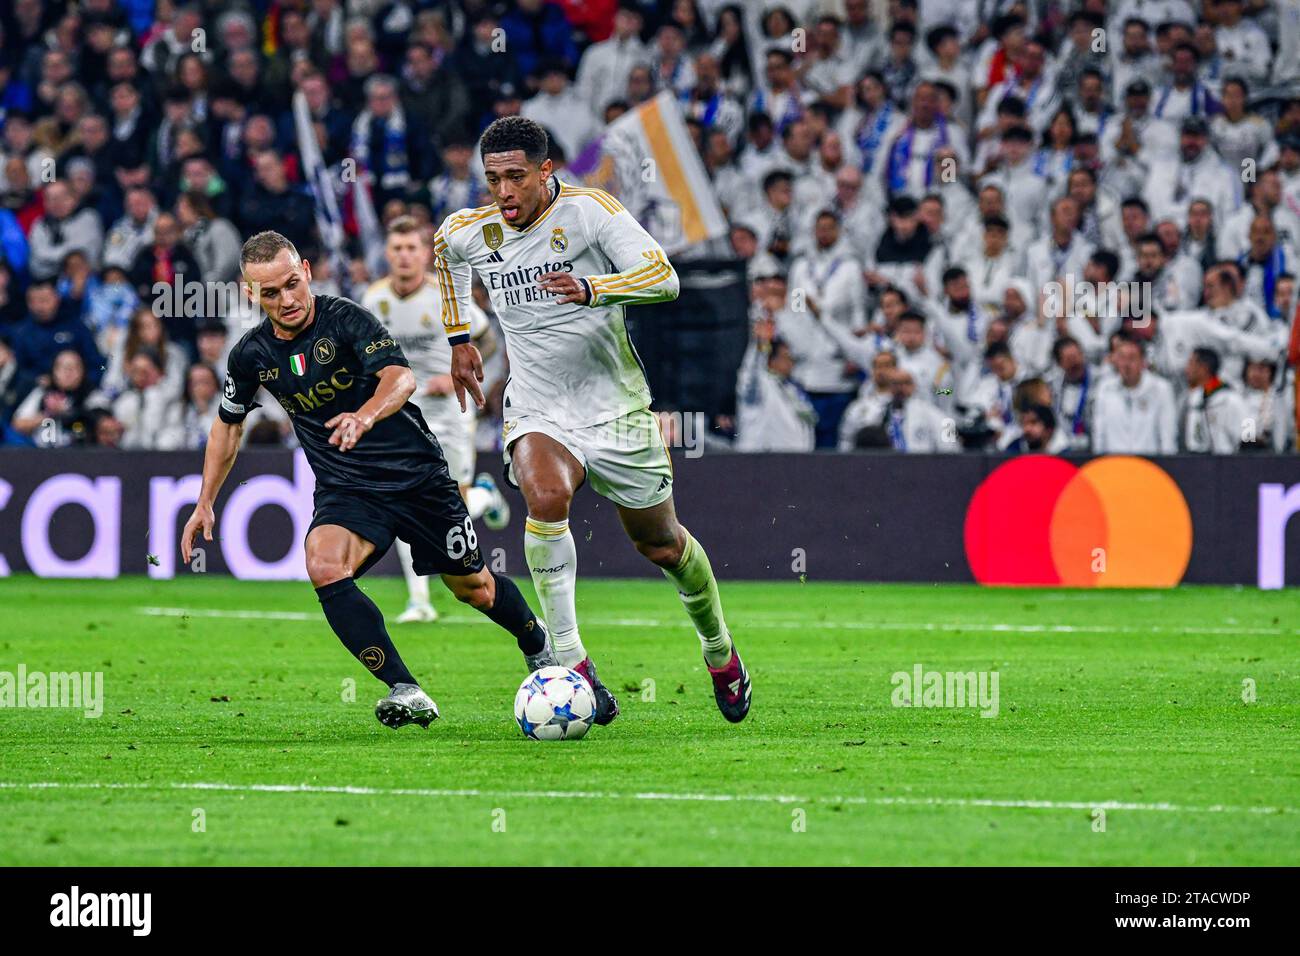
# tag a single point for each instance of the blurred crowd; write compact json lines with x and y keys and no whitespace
{"x":1022,"y":225}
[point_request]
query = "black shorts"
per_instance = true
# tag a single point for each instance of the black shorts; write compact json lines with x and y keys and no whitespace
{"x":432,"y":519}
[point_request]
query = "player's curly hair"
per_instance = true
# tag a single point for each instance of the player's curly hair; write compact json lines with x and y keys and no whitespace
{"x":509,"y":133}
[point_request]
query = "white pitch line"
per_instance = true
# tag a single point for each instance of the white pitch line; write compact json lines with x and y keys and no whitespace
{"x":743,"y":624}
{"x":958,"y":802}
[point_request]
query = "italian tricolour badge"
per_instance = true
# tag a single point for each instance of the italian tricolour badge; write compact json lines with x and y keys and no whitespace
{"x":298,"y":363}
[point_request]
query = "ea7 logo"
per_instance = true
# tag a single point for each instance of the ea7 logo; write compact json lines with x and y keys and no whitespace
{"x":103,"y":909}
{"x":268,"y":374}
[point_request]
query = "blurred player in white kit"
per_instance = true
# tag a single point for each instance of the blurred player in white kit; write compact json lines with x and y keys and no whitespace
{"x":407,"y":302}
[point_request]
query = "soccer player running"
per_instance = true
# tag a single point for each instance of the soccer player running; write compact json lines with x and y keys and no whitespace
{"x":380,"y":473}
{"x":560,"y":263}
{"x":407,"y":303}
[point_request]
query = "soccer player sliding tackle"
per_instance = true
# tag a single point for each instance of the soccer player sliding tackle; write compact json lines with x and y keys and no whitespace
{"x":380,"y":473}
{"x":560,"y":263}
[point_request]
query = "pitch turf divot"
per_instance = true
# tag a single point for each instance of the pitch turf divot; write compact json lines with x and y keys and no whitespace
{"x":958,"y":802}
{"x":752,"y":623}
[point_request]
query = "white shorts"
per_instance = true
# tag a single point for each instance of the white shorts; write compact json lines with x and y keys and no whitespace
{"x":456,"y":436}
{"x":625,"y":459}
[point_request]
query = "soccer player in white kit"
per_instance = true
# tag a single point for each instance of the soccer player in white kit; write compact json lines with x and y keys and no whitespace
{"x":408,"y":303}
{"x":560,"y":264}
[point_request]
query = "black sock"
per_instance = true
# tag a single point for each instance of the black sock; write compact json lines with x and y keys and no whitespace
{"x":512,"y":612}
{"x":360,"y":626}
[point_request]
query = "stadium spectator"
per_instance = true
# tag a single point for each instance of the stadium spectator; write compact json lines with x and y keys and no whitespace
{"x":559,"y":108}
{"x":213,"y":241}
{"x":535,"y":32}
{"x":998,"y":140}
{"x":914,"y":425}
{"x":991,"y":396}
{"x":605,"y":65}
{"x":62,"y":229}
{"x":931,"y":373}
{"x":202,"y":397}
{"x":110,"y":303}
{"x":133,"y":231}
{"x":433,"y":94}
{"x":867,"y":409}
{"x":274,"y":202}
{"x":9,"y":393}
{"x":773,"y":413}
{"x":147,"y":408}
{"x":1213,"y":413}
{"x":55,"y":414}
{"x":1269,"y":411}
{"x":1135,"y":411}
{"x":48,"y":330}
{"x":213,"y":345}
{"x":145,"y":331}
{"x":1038,"y":433}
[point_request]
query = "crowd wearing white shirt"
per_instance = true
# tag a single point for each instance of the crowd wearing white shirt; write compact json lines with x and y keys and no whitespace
{"x":1013,"y":226}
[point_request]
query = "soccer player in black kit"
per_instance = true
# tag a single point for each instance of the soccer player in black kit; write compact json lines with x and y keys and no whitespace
{"x":379,"y":470}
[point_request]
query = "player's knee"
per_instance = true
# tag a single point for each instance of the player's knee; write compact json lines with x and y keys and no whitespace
{"x":549,"y":503}
{"x":326,"y":569}
{"x":667,"y":552}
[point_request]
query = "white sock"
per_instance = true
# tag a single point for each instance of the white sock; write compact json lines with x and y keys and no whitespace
{"x":553,"y":562}
{"x":477,"y":501}
{"x":417,"y":587}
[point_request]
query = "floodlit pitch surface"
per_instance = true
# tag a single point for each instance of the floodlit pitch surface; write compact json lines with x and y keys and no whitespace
{"x":1134,"y":727}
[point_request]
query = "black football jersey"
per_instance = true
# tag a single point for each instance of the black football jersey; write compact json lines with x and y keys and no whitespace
{"x":328,"y":368}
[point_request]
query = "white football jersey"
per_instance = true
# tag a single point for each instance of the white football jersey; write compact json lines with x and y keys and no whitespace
{"x":571,"y":364}
{"x":415,"y":321}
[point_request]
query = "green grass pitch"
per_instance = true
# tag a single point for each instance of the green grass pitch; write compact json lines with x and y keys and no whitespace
{"x":228,"y":736}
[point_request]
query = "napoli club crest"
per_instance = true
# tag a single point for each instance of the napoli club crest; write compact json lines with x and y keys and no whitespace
{"x":324,"y":351}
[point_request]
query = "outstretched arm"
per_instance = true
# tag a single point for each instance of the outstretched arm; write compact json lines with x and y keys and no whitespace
{"x":219,"y":456}
{"x":223,"y":445}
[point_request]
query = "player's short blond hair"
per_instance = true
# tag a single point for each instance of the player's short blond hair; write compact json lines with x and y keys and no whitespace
{"x":405,"y":225}
{"x":265,"y":246}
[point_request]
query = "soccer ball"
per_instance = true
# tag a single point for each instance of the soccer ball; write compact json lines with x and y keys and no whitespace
{"x":555,"y":703}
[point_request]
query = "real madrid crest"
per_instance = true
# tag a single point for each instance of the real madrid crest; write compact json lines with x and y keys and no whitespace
{"x":558,"y":242}
{"x":493,"y":235}
{"x":383,"y":307}
{"x":324,"y":351}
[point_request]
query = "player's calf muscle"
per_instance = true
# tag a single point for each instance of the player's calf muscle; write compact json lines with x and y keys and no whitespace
{"x":476,"y":590}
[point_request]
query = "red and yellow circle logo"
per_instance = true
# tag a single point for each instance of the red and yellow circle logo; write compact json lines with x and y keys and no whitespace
{"x":1117,"y":522}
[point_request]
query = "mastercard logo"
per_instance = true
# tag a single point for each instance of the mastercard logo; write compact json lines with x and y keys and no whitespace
{"x":1115,"y":522}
